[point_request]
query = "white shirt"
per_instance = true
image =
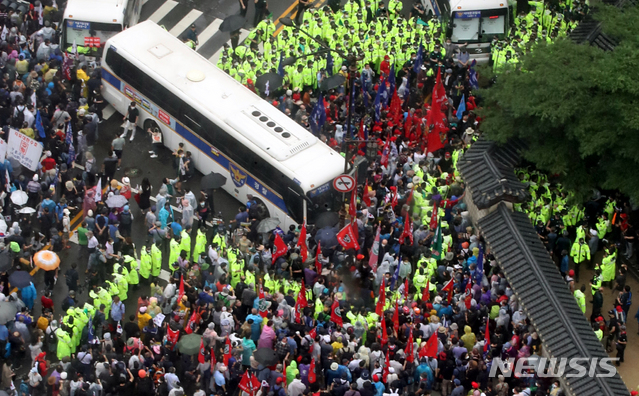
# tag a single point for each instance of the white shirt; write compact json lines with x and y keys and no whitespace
{"x":169,"y":291}
{"x":93,"y":242}
{"x":213,"y":255}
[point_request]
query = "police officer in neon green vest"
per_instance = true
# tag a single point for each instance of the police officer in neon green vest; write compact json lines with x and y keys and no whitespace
{"x":580,"y":253}
{"x":174,"y":254}
{"x":145,"y":264}
{"x":185,"y":241}
{"x":156,"y":261}
{"x":200,"y":242}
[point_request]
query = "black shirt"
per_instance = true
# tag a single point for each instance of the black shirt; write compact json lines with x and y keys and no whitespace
{"x":133,"y":114}
{"x":132,"y":330}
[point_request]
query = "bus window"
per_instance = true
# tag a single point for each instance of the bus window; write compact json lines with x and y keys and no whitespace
{"x":494,"y":24}
{"x":294,"y":205}
{"x":78,"y":30}
{"x":465,"y":27}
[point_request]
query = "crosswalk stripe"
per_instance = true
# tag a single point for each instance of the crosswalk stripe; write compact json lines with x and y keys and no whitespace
{"x":216,"y":56}
{"x":107,"y":112}
{"x":209,"y":32}
{"x":185,"y":22}
{"x":163,"y":11}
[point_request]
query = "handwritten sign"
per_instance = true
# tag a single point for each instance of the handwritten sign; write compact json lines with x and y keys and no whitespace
{"x":24,"y":149}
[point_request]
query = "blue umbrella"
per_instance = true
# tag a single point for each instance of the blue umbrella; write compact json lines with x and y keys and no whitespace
{"x":327,"y":236}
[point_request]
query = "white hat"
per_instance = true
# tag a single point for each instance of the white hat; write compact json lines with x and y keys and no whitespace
{"x":35,"y":177}
{"x":63,"y":375}
{"x":343,"y":68}
{"x":66,"y":211}
{"x":126,"y":180}
{"x":334,"y":366}
{"x":142,"y":309}
{"x":90,"y":213}
{"x":289,"y":92}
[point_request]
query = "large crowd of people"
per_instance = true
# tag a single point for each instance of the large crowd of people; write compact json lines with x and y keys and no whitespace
{"x":410,"y":304}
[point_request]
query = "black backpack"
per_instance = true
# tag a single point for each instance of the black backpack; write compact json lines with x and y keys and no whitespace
{"x":19,"y":118}
{"x":125,"y":218}
{"x":51,"y":338}
{"x":56,"y":243}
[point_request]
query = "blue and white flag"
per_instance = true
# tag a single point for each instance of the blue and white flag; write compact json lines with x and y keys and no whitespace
{"x":68,"y":139}
{"x":480,"y":266}
{"x":391,"y":80}
{"x":396,"y":273}
{"x":419,"y":60}
{"x":280,"y":67}
{"x":462,"y":107}
{"x":329,"y":64}
{"x":38,"y":125}
{"x":318,"y":115}
{"x":472,"y":74}
{"x":378,"y":100}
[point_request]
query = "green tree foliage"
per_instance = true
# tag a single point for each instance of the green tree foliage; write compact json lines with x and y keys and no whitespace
{"x":576,"y":107}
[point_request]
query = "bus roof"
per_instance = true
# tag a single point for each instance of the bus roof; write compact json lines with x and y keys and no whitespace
{"x":104,"y":11}
{"x":476,"y":5}
{"x":233,"y":107}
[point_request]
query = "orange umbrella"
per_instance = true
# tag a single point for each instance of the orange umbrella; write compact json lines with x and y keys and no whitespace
{"x":46,"y":260}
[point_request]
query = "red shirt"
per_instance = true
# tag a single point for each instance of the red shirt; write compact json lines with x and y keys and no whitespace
{"x":48,"y":163}
{"x":46,"y":302}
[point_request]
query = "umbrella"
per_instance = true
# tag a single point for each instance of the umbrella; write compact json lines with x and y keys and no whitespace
{"x":189,"y":344}
{"x":5,"y":261}
{"x":274,"y":82}
{"x":8,"y":311}
{"x":19,"y":197}
{"x":332,"y":82}
{"x":268,"y":224}
{"x":27,"y":210}
{"x":326,"y":219}
{"x":116,"y":201}
{"x":46,"y":260}
{"x":20,"y":279}
{"x":327,"y":237}
{"x":266,"y":356}
{"x":232,"y":23}
{"x":212,"y":181}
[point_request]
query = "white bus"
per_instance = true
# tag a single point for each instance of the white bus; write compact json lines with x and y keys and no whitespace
{"x":96,"y":21}
{"x":475,"y":22}
{"x":227,"y":128}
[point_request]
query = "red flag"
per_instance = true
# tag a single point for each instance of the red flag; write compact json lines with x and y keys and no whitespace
{"x":386,"y":371}
{"x":365,"y":198}
{"x":409,"y":200}
{"x":249,"y":383}
{"x":318,"y":263}
{"x":301,"y":303}
{"x":448,"y":288}
{"x":301,"y":242}
{"x":311,"y":372}
{"x":193,"y":321}
{"x":407,"y":231}
{"x":396,"y":318}
{"x":468,"y":296}
{"x":374,"y":253}
{"x":336,"y":314}
{"x":213,"y":361}
{"x":385,"y":151}
{"x":384,"y":331}
{"x":347,"y":238}
{"x":435,"y":117}
{"x":487,"y":336}
{"x":394,"y":198}
{"x":408,"y":125}
{"x":360,"y":131}
{"x":406,"y":289}
{"x":262,"y":302}
{"x":426,"y":292}
{"x":433,"y":217}
{"x":381,"y":299}
{"x":313,"y":333}
{"x":227,"y":351}
{"x":431,"y":346}
{"x":352,"y":207}
{"x":280,"y":247}
{"x":410,"y":354}
{"x":181,"y":290}
{"x":172,"y":337}
{"x":200,"y":356}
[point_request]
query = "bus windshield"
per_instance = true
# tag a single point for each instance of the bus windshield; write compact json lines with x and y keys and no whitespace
{"x":79,"y":30}
{"x":325,"y":199}
{"x":478,"y":26}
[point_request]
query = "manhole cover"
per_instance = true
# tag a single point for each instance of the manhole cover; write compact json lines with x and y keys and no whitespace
{"x":132,"y":172}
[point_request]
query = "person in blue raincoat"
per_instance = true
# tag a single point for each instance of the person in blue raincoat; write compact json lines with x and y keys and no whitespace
{"x":29,"y":294}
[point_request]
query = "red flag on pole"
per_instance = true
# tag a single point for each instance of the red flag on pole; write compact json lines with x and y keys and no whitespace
{"x":365,"y":198}
{"x":227,"y":351}
{"x":347,"y":238}
{"x":431,"y":346}
{"x":396,"y":318}
{"x":318,"y":263}
{"x":448,"y":288}
{"x":385,"y":151}
{"x":407,"y":232}
{"x":336,"y":314}
{"x":301,"y":242}
{"x":394,"y":197}
{"x":381,"y":299}
{"x":410,"y":354}
{"x":279,"y":248}
{"x":311,"y":372}
{"x":374,"y":254}
{"x":181,"y":290}
{"x":426,"y":292}
{"x":200,"y":356}
{"x":301,"y":303}
{"x":468,"y":296}
{"x":384,"y":331}
{"x":249,"y":383}
{"x":406,"y":289}
{"x":487,"y":336}
{"x":433,"y":218}
{"x":172,"y":337}
{"x":262,"y":302}
{"x":386,"y":371}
